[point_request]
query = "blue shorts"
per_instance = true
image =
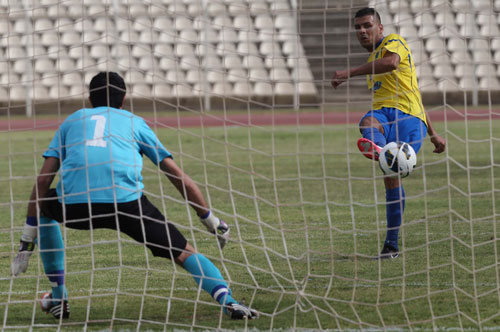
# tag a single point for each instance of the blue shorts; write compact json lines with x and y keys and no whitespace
{"x":400,"y":126}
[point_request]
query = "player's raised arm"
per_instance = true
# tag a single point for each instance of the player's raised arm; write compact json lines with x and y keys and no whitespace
{"x":190,"y":191}
{"x":388,"y":63}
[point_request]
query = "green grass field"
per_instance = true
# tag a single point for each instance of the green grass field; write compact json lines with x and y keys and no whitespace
{"x":306,"y":214}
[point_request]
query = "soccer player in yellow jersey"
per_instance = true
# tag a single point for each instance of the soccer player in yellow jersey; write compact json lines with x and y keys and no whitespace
{"x":397,"y":113}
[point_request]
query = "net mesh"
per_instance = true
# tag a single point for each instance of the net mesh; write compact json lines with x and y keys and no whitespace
{"x":239,"y":92}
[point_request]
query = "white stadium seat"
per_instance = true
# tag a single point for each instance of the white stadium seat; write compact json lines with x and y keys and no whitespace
{"x":435,"y":45}
{"x":222,"y":89}
{"x":408,"y":32}
{"x":439,"y":58}
{"x":189,"y":62}
{"x":247,"y":48}
{"x":64,"y":64}
{"x":228,"y":35}
{"x":237,"y":75}
{"x":258,"y":8}
{"x":142,"y":23}
{"x":9,"y":78}
{"x":103,"y":24}
{"x":141,"y":90}
{"x":270,"y":49}
{"x":37,"y":92}
{"x":162,"y":91}
{"x":175,"y":76}
{"x":253,"y":61}
{"x":280,"y":74}
{"x":162,"y":50}
{"x":279,"y":6}
{"x":183,"y":49}
{"x":273,"y":62}
{"x":182,"y":22}
{"x":263,"y":89}
{"x":468,"y":83}
{"x":448,"y":85}
{"x":72,"y":78}
{"x":243,"y":22}
{"x":78,"y":90}
{"x":148,"y":36}
{"x":138,"y":9}
{"x":444,"y":71}
{"x":147,"y":63}
{"x":464,"y":70}
{"x":489,"y":83}
{"x":195,"y":75}
{"x":129,"y":36}
{"x":264,"y":22}
{"x":181,"y":91}
{"x":445,"y":18}
{"x":258,"y":75}
{"x":424,"y":71}
{"x":427,"y":84}
{"x":485,"y":70}
{"x":302,"y":74}
{"x":307,"y":88}
{"x":232,"y":61}
{"x":43,"y":65}
{"x":457,"y":44}
{"x":481,"y":57}
{"x":132,"y":76}
{"x":162,"y":23}
{"x":424,"y":18}
{"x":188,"y":36}
{"x":460,"y":57}
{"x":490,"y":30}
{"x":242,"y":88}
{"x":284,"y":89}
{"x":211,"y":62}
{"x":167,"y":63}
{"x":248,"y":36}
{"x":215,"y":76}
{"x":222,"y":21}
{"x":285,"y":21}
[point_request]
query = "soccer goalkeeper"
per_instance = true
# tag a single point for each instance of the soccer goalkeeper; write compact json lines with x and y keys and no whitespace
{"x":98,"y":153}
{"x":397,"y":112}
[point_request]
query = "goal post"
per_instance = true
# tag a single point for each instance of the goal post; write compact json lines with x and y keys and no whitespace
{"x":239,"y":92}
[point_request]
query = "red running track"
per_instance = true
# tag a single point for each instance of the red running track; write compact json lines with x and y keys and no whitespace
{"x":259,"y":119}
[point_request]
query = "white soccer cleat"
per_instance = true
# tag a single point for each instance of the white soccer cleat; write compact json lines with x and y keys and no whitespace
{"x":55,"y":310}
{"x":239,"y":311}
{"x":22,"y":259}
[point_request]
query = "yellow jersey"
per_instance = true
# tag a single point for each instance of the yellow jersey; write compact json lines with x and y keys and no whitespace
{"x":398,"y":88}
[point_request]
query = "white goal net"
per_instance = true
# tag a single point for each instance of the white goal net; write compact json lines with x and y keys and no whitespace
{"x":239,"y":92}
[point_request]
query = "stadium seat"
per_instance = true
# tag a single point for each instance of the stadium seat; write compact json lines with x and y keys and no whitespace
{"x":247,"y":48}
{"x":138,"y":9}
{"x":286,"y":35}
{"x":58,"y":92}
{"x":284,"y":89}
{"x":183,"y":49}
{"x":274,"y":62}
{"x":422,"y":18}
{"x":195,"y":9}
{"x":215,"y":76}
{"x":243,"y":22}
{"x":15,"y":52}
{"x":481,"y":57}
{"x":64,"y":64}
{"x":302,"y":74}
{"x":98,"y":51}
{"x":263,"y":89}
{"x":280,"y":74}
{"x":35,"y":51}
{"x":270,"y":49}
{"x":257,"y":74}
{"x":489,"y":83}
{"x":39,"y":92}
{"x":443,"y":71}
{"x":141,"y":23}
{"x":253,"y":62}
{"x":468,"y":83}
{"x":189,"y":62}
{"x":424,"y":71}
{"x":208,"y":35}
{"x":435,"y":45}
{"x":222,"y":21}
{"x":248,"y":36}
{"x":403,"y":18}
{"x":16,"y":92}
{"x":279,"y":6}
{"x":42,"y":65}
{"x":427,"y":84}
{"x":161,"y":91}
{"x":258,"y":7}
{"x":129,"y":36}
{"x":496,"y":57}
{"x":445,"y":18}
{"x":211,"y":62}
{"x":232,"y":61}
{"x":448,"y":85}
{"x":195,"y":75}
{"x":461,"y":4}
{"x":307,"y":88}
{"x":10,"y":78}
{"x":182,"y":22}
{"x":243,"y":88}
{"x":132,"y":76}
{"x":181,"y":91}
{"x":43,"y":24}
{"x":138,"y":51}
{"x":177,"y":9}
{"x":80,"y":25}
{"x":141,"y":90}
{"x":294,"y":62}
{"x":72,"y":78}
{"x":408,"y":32}
{"x":439,"y":58}
{"x":264,"y":22}
{"x":237,"y":75}
{"x":126,"y":62}
{"x":485,"y":70}
{"x":285,"y":21}
{"x":457,"y":44}
{"x":78,"y":91}
{"x":490,"y":29}
{"x":428,"y":30}
{"x":482,"y":4}
{"x":167,"y":37}
{"x":460,"y":57}
{"x":162,"y":23}
{"x":210,"y":49}
{"x":175,"y":76}
{"x":464,"y":71}
{"x":478,"y":44}
{"x":161,"y":50}
{"x":222,"y":89}
{"x":228,"y":35}
{"x":148,"y":37}
{"x":147,"y":63}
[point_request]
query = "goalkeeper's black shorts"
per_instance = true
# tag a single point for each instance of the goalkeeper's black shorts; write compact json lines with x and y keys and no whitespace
{"x":136,"y":219}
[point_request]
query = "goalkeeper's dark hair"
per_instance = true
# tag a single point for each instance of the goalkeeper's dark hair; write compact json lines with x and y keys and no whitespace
{"x":107,"y":89}
{"x":368,"y":11}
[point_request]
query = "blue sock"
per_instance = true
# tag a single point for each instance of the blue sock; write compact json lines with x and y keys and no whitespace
{"x":206,"y":273}
{"x":395,"y":199}
{"x":50,"y":240}
{"x":374,"y":135}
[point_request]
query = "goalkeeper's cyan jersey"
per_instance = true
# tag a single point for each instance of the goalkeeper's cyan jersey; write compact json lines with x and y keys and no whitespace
{"x":100,"y":150}
{"x":398,"y":88}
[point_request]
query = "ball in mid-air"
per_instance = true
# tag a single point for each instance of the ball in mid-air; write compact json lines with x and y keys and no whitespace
{"x":397,"y":159}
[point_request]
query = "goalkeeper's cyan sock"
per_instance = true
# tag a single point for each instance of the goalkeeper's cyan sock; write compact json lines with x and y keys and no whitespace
{"x":374,"y":135}
{"x":52,"y":254}
{"x":206,"y":273}
{"x":395,"y":199}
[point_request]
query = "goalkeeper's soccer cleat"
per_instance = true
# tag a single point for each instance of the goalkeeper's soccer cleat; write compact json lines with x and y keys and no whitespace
{"x":369,"y":149}
{"x":239,"y":311}
{"x":21,"y":261}
{"x":56,"y":310}
{"x":388,"y":252}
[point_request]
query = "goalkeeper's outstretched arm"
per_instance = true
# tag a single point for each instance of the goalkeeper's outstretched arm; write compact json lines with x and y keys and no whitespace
{"x":40,"y":189}
{"x":192,"y":193}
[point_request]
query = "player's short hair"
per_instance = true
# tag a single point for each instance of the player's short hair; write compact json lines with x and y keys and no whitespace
{"x":368,"y":11}
{"x":103,"y":83}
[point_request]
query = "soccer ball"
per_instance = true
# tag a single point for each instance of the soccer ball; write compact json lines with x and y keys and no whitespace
{"x":397,"y":159}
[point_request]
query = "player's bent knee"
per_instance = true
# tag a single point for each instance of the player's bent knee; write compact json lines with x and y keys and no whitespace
{"x":188,"y":251}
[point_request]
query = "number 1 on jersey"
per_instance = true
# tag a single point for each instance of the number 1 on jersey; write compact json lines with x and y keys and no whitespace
{"x":98,"y":132}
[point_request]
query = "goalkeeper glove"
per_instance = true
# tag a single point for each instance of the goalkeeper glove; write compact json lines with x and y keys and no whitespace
{"x":21,"y":261}
{"x":216,"y":226}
